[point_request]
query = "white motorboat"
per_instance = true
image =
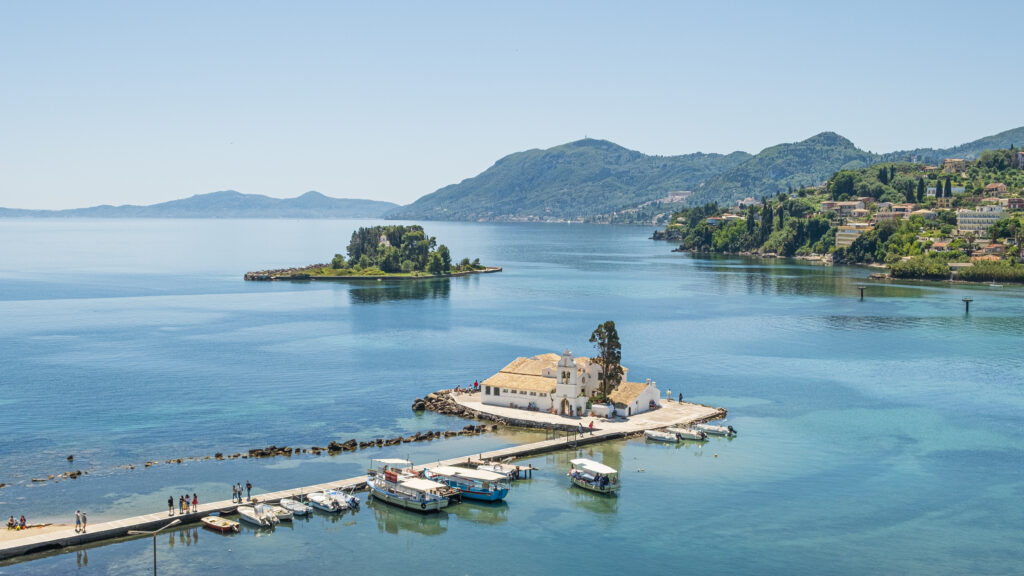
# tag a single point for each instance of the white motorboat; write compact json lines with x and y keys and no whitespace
{"x":258,"y":514}
{"x":295,"y":507}
{"x":322,"y":501}
{"x":688,"y":433}
{"x":659,"y":436}
{"x":282,"y":513}
{"x":715,"y":429}
{"x":346,"y":499}
{"x":393,"y":481}
{"x":594,"y":476}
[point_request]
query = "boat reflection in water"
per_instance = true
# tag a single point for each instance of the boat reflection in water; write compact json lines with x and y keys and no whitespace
{"x":481,"y":512}
{"x":593,"y":502}
{"x":393,"y":520}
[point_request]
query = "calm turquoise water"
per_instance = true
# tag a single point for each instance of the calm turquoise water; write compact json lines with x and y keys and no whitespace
{"x":875,"y":436}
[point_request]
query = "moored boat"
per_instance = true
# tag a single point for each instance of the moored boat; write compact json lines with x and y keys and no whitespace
{"x":392,"y":480}
{"x":258,"y":514}
{"x":688,"y":433}
{"x":472,"y":483}
{"x":715,"y":429}
{"x":346,"y":499}
{"x":659,"y":436}
{"x":295,"y":507}
{"x":220,"y":524}
{"x":322,"y":501}
{"x":594,"y":476}
{"x":282,"y":513}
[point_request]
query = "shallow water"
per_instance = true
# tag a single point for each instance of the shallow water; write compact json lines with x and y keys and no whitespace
{"x":875,"y":436}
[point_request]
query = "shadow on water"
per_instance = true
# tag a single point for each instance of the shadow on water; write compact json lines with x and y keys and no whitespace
{"x":481,"y":512}
{"x":394,"y":520}
{"x":373,"y":292}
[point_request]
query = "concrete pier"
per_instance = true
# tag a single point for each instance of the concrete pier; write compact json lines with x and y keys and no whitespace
{"x":672,"y":413}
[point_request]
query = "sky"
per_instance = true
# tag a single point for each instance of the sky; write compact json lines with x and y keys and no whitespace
{"x":144,"y":102}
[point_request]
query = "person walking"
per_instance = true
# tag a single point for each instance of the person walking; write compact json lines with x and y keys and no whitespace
{"x":78,"y":521}
{"x":195,"y":502}
{"x":248,"y":491}
{"x":85,"y":522}
{"x":170,"y":505}
{"x":591,"y":427}
{"x":234,"y":493}
{"x":239,"y":492}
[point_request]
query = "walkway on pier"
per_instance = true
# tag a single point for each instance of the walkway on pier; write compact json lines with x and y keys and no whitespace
{"x":672,"y":413}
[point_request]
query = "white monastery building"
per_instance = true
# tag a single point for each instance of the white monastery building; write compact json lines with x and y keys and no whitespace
{"x":564,"y":385}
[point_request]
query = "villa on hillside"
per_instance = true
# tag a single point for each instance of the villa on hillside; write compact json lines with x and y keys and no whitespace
{"x":564,"y":385}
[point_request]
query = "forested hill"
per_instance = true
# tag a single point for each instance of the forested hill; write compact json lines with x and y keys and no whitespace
{"x":969,"y":151}
{"x":581,"y":179}
{"x":597,"y":180}
{"x":779,"y":168}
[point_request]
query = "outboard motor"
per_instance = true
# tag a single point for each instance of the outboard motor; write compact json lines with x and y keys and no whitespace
{"x":732,"y":430}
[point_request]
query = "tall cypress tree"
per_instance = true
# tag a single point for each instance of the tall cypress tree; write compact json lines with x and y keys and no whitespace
{"x":948,"y":192}
{"x":920,"y":190}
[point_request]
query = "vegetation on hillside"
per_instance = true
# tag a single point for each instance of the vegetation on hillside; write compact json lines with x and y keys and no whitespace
{"x":598,"y":181}
{"x":793,"y":223}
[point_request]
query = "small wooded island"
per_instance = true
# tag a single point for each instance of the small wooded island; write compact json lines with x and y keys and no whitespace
{"x":400,"y":252}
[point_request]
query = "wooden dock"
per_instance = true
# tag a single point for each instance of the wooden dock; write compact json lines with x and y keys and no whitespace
{"x":101,"y":531}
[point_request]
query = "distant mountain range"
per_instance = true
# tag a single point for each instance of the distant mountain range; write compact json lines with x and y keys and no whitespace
{"x":227,"y":204}
{"x":590,"y":179}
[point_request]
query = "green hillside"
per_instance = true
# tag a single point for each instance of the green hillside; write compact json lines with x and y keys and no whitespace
{"x":579,"y":180}
{"x":597,"y":180}
{"x":785,"y":166}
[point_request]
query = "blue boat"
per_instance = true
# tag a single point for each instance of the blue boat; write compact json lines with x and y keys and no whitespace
{"x":476,"y":484}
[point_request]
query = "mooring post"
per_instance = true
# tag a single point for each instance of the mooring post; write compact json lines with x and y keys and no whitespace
{"x":861,"y":288}
{"x":967,"y":305}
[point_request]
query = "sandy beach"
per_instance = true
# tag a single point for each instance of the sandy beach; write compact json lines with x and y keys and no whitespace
{"x":8,"y":535}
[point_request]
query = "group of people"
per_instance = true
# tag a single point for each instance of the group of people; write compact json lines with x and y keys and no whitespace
{"x":13,"y":524}
{"x":184,"y":504}
{"x":236,"y":491}
{"x":81,"y":521}
{"x":582,"y":430}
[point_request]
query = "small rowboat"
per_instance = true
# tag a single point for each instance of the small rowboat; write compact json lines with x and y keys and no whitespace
{"x":659,"y":436}
{"x":716,"y":430}
{"x":688,"y":434}
{"x":282,"y":514}
{"x":295,"y":507}
{"x":220,"y":524}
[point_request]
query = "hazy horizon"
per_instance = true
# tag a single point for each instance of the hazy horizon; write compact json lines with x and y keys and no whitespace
{"x":124,"y":103}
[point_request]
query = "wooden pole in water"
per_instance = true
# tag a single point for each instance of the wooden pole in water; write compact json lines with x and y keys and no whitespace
{"x":861,"y":288}
{"x":967,"y":305}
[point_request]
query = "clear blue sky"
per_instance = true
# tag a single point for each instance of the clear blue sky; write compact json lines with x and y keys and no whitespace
{"x":142,"y":102}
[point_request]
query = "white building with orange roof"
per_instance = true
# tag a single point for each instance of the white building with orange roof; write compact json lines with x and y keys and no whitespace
{"x":562,"y":384}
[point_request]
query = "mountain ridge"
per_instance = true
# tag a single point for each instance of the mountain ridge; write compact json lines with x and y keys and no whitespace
{"x":225,"y":204}
{"x":598,"y":180}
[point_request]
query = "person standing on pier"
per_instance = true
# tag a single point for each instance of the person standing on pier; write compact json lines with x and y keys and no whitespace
{"x":195,"y":502}
{"x":78,"y":521}
{"x":248,"y":490}
{"x":591,"y":427}
{"x":680,"y":397}
{"x":85,"y":522}
{"x":234,"y":493}
{"x":170,"y":505}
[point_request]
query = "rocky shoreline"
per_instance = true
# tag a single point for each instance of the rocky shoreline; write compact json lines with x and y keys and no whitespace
{"x":303,"y":274}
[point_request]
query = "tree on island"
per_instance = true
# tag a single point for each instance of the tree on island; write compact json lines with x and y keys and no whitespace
{"x":399,"y":249}
{"x":609,"y":355}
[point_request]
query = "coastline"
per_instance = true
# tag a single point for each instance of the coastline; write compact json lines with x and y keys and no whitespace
{"x":296,"y":275}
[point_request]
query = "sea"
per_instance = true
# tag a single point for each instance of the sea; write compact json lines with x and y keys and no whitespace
{"x":875,"y":435}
